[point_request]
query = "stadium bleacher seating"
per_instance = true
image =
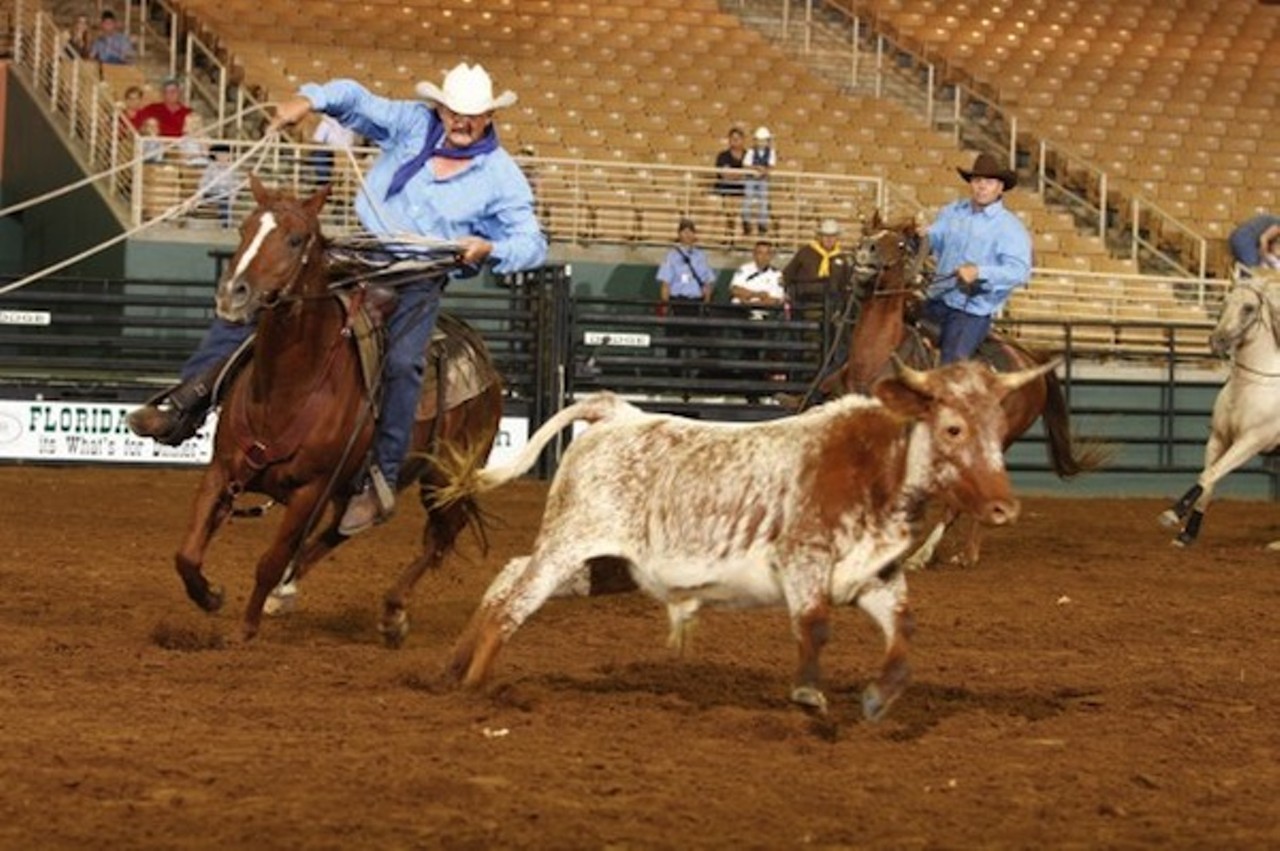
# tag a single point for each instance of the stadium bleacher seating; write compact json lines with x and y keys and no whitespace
{"x":623,"y":82}
{"x":660,"y":82}
{"x":1176,"y":100}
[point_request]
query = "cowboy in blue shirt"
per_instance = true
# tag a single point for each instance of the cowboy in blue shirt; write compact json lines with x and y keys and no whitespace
{"x":983,"y":254}
{"x":441,"y":173}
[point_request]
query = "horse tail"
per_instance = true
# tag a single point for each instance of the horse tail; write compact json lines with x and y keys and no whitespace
{"x":1070,"y":457}
{"x":465,"y":481}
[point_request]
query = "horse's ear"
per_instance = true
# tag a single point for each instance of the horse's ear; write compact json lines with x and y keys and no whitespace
{"x":260,"y":193}
{"x":317,"y":199}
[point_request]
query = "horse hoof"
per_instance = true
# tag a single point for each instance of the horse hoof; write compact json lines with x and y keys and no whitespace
{"x":810,"y":698}
{"x":1184,"y":540}
{"x":1169,"y":519}
{"x":281,"y":601}
{"x":395,"y":630}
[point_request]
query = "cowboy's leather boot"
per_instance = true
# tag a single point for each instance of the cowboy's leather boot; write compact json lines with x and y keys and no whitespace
{"x":176,"y":414}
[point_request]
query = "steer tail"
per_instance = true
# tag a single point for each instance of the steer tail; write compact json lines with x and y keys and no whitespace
{"x":1070,"y":457}
{"x":465,"y":480}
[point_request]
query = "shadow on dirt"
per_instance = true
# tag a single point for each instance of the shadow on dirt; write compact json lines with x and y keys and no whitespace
{"x":701,"y":685}
{"x":925,"y":705}
{"x":922,"y":707}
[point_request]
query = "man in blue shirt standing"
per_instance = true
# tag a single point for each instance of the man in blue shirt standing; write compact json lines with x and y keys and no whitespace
{"x":685,"y":277}
{"x":983,"y":254}
{"x":686,"y":283}
{"x":440,"y":173}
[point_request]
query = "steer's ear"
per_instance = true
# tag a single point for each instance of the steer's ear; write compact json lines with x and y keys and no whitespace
{"x":906,"y":392}
{"x":900,"y":397}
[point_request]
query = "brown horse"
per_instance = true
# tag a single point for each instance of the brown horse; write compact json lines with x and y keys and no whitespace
{"x":888,"y":261}
{"x":298,"y":420}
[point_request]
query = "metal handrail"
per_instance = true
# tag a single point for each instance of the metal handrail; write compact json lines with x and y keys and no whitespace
{"x":867,"y":36}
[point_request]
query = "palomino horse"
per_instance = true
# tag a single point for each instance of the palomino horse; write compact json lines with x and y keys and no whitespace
{"x":888,"y":262}
{"x":297,"y":422}
{"x":1246,"y":414}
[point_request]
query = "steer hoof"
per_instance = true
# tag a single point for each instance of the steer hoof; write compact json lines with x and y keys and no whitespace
{"x":394,"y":629}
{"x":282,"y":600}
{"x":874,"y":704}
{"x":810,"y":698}
{"x":1169,"y":519}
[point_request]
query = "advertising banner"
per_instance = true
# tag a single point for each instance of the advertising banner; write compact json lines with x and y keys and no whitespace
{"x":96,"y":432}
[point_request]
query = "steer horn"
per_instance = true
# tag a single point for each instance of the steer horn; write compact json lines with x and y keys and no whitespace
{"x":913,"y":378}
{"x":1011,"y":381}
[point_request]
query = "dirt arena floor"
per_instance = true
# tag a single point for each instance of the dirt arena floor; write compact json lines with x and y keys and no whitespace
{"x":1087,"y":686}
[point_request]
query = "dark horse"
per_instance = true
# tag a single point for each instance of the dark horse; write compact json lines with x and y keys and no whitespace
{"x":298,"y":420}
{"x":889,"y":261}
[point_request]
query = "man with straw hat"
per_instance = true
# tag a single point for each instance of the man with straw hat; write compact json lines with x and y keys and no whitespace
{"x":983,"y":254}
{"x":441,"y":174}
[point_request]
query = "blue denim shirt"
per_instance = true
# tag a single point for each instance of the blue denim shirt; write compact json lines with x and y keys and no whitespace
{"x":994,"y":240}
{"x":490,"y":199}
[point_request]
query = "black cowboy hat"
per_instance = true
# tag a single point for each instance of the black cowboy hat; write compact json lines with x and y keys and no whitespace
{"x":988,"y":166}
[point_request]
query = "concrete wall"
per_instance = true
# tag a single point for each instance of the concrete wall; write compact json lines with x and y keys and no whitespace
{"x":38,"y":160}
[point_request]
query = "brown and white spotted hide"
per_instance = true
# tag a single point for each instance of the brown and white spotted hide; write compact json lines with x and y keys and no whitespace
{"x":808,"y":511}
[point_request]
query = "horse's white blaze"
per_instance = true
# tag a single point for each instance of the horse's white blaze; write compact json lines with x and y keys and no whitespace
{"x":266,"y":224}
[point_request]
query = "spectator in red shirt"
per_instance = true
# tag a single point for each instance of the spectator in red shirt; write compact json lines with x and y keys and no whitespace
{"x":169,"y":112}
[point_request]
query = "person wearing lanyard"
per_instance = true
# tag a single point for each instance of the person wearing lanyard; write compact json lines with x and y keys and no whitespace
{"x":983,"y":254}
{"x":440,"y":173}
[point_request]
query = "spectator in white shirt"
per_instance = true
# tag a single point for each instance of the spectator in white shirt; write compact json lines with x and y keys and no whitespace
{"x":757,"y":283}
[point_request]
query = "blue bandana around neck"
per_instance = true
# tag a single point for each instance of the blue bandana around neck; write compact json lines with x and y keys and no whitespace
{"x":486,"y":144}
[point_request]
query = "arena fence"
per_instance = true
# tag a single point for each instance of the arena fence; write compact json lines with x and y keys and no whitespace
{"x":118,"y":341}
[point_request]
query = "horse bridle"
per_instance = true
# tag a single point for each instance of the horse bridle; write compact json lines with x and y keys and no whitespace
{"x":901,"y":260}
{"x":285,"y":295}
{"x":1237,"y":339}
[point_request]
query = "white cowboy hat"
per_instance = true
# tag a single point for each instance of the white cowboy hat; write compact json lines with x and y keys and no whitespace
{"x":763,"y":134}
{"x":467,"y":90}
{"x":829,"y":227}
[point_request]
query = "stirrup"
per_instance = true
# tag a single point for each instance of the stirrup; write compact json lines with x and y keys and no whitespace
{"x":166,"y":424}
{"x":176,"y":413}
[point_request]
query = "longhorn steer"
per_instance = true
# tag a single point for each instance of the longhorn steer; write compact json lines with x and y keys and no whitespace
{"x":811,"y":511}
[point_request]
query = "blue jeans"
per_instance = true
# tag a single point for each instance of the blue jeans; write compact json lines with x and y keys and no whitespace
{"x":755,"y":204}
{"x":403,"y":368}
{"x":219,"y":343}
{"x":960,"y":333}
{"x":321,"y":163}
